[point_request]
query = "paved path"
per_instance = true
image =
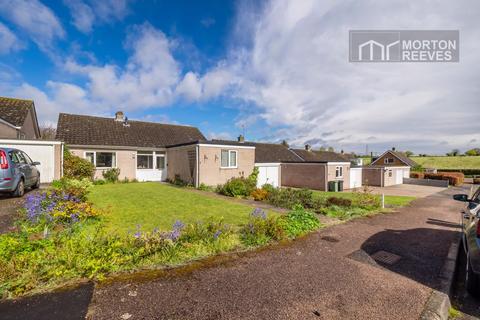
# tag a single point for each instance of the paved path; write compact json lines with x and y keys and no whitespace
{"x":410,"y":190}
{"x":8,"y":211}
{"x":327,"y":275}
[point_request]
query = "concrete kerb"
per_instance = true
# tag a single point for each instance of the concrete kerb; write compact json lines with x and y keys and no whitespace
{"x":438,"y":304}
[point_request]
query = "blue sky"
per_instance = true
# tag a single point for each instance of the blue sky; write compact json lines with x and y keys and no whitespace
{"x":277,"y":69}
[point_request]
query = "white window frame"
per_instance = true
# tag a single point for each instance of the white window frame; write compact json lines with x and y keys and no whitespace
{"x":230,"y":153}
{"x":388,"y":160}
{"x":146,"y":153}
{"x":338,"y":172}
{"x":160,"y":155}
{"x":114,"y":163}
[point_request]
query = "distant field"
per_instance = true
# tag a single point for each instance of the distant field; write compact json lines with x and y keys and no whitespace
{"x":444,"y":162}
{"x":448,"y":162}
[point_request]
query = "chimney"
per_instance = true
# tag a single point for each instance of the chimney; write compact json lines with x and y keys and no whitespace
{"x":241,"y":138}
{"x":393,"y":148}
{"x":119,"y":116}
{"x":308,"y":147}
{"x":341,"y":151}
{"x":285,"y":143}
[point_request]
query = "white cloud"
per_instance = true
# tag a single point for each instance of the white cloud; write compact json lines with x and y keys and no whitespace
{"x":82,"y":14}
{"x":34,"y":18}
{"x":295,"y":68}
{"x":8,"y":40}
{"x":87,"y":13}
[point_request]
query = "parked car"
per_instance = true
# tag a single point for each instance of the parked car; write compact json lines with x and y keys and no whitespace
{"x":471,"y":240}
{"x":17,"y":172}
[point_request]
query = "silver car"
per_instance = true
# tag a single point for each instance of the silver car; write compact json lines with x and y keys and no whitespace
{"x":17,"y":172}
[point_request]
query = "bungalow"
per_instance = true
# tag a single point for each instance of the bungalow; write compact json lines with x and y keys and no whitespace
{"x":149,"y":151}
{"x":388,"y":169}
{"x":282,"y":166}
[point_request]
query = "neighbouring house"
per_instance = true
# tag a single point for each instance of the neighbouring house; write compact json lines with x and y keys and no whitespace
{"x":149,"y":151}
{"x":388,"y":169}
{"x":285,"y":167}
{"x":18,"y":119}
{"x":19,"y":129}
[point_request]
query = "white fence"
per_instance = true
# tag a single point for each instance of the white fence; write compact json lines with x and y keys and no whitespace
{"x":48,"y":153}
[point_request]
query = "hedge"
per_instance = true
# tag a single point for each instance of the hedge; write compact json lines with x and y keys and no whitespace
{"x":454,"y":178}
{"x":467,"y":172}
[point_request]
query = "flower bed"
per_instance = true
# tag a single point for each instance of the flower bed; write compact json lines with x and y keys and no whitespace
{"x":62,"y":238}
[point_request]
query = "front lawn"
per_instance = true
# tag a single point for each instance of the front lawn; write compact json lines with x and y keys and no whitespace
{"x":390,"y":201}
{"x":154,"y":205}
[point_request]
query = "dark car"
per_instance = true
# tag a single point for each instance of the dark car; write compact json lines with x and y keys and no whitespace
{"x":471,"y":240}
{"x":17,"y":172}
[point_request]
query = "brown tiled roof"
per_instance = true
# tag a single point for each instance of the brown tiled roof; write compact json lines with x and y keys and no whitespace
{"x":273,"y":153}
{"x":320,"y":156}
{"x":14,"y":111}
{"x":88,"y":130}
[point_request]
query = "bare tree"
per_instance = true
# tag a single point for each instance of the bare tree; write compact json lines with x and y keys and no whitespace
{"x":48,"y":132}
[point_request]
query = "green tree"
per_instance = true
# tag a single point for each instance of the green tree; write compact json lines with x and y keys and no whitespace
{"x":322,"y":148}
{"x":408,"y":153}
{"x":331,"y":149}
{"x":473,"y":152}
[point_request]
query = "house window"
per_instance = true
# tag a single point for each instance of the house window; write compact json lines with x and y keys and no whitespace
{"x":388,"y":160}
{"x":160,"y":162}
{"x":228,"y":159}
{"x":90,"y":156}
{"x":144,"y":160}
{"x":339,"y":172}
{"x":105,"y":159}
{"x":390,"y":173}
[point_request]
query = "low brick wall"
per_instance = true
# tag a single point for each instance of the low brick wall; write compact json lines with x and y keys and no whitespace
{"x":426,"y":182}
{"x":303,"y":175}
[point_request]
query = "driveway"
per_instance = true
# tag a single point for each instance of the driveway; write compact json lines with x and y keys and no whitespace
{"x":8,"y":211}
{"x":407,"y":190}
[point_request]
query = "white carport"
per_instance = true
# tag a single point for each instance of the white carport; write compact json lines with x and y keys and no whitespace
{"x":268,"y":173}
{"x":48,"y":153}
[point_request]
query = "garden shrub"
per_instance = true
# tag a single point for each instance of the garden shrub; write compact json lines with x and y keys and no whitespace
{"x":236,"y":187}
{"x":111,"y":175}
{"x":73,"y":187}
{"x":298,"y":222}
{"x":343,"y":213}
{"x":75,"y":167}
{"x":261,"y":229}
{"x":417,"y":175}
{"x":99,"y":182}
{"x":268,"y":187}
{"x":239,"y":187}
{"x":341,"y":202}
{"x":178,"y":181}
{"x":259,"y":194}
{"x":288,"y":198}
{"x":366,"y":200}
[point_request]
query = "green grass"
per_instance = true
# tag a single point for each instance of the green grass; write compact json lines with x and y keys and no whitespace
{"x":463,"y":162}
{"x":154,"y":205}
{"x":390,"y":201}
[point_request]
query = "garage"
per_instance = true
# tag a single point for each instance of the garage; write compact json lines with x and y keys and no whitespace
{"x":48,"y":153}
{"x":268,"y":173}
{"x":355,"y":178}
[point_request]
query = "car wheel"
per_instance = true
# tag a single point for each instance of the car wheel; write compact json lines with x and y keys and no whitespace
{"x":472,"y":282}
{"x":37,"y":183}
{"x":20,"y":190}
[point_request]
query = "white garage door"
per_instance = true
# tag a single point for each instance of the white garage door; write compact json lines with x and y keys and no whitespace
{"x":399,"y":176}
{"x":41,"y":151}
{"x":355,"y":178}
{"x":268,"y":174}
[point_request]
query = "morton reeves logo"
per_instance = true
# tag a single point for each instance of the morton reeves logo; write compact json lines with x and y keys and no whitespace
{"x":404,"y":46}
